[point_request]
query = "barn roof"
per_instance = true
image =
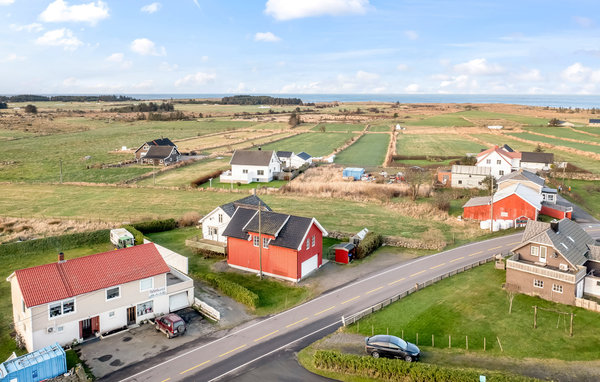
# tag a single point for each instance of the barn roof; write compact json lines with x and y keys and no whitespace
{"x":471,"y":170}
{"x":284,"y":154}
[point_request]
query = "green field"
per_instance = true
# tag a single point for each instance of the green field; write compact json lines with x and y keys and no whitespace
{"x":183,"y":176}
{"x":565,"y":132}
{"x":229,"y":186}
{"x":585,"y":193}
{"x":522,"y":119}
{"x":443,"y":120}
{"x":435,"y":144}
{"x":473,"y":304}
{"x":339,"y":127}
{"x":558,"y":142}
{"x":316,"y":144}
{"x":369,"y":150}
{"x":384,"y":128}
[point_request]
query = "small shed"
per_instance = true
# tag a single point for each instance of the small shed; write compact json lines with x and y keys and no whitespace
{"x":354,"y":172}
{"x":42,"y":364}
{"x":344,"y":252}
{"x":356,"y":239}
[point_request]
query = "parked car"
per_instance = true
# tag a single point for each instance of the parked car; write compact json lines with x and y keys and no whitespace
{"x":391,"y":347}
{"x":171,"y":324}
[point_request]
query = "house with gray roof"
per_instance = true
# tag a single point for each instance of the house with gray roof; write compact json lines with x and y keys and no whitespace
{"x":161,"y":148}
{"x":533,"y":161}
{"x":249,"y":166}
{"x":553,"y":261}
{"x":524,"y":177}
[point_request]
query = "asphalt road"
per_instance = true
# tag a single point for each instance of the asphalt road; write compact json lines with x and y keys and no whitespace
{"x":254,"y":344}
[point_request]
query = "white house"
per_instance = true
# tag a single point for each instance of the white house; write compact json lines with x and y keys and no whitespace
{"x":79,"y":299}
{"x":300,"y":159}
{"x":469,"y":176}
{"x":249,"y":166}
{"x":536,"y":161}
{"x":286,"y":158}
{"x":501,"y":160}
{"x":214,"y":223}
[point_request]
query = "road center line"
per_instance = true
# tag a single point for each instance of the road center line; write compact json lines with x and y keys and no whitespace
{"x":266,"y":335}
{"x":297,"y":322}
{"x":231,"y":351}
{"x":353,"y":298}
{"x":165,"y":380}
{"x":491,"y":249}
{"x":374,"y":290}
{"x":436,"y":266}
{"x":418,"y":273}
{"x":397,"y":281}
{"x":191,"y":368}
{"x":476,"y":253}
{"x":323,"y":311}
{"x":516,"y":242}
{"x":459,"y":258}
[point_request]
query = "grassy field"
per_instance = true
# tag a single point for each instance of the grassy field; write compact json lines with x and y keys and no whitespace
{"x":339,"y":127}
{"x":442,"y":120}
{"x":435,"y":144}
{"x":228,"y":186}
{"x":369,"y":150}
{"x":384,"y":128}
{"x":557,"y":142}
{"x":216,"y":109}
{"x":316,"y":144}
{"x":183,"y":176}
{"x":586,"y":194}
{"x":565,"y":132}
{"x":522,"y":119}
{"x":473,"y":304}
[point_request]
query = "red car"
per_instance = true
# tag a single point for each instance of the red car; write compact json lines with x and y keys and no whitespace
{"x":171,"y":324}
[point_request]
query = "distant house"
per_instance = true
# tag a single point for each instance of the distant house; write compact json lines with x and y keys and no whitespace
{"x":495,"y":127}
{"x":469,"y":176}
{"x":300,"y":159}
{"x":142,"y":151}
{"x":523,"y":177}
{"x":533,"y":161}
{"x":565,"y":124}
{"x":80,"y":298}
{"x":161,"y":155}
{"x":594,"y":122}
{"x":499,"y":159}
{"x":249,"y":166}
{"x":292,"y":246}
{"x":285,"y":157}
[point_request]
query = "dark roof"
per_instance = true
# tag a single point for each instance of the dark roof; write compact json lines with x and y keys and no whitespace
{"x":537,"y":157}
{"x":161,"y":142}
{"x":284,"y":154}
{"x":239,"y":219}
{"x":304,"y":156}
{"x":251,"y":200}
{"x":159,"y":152}
{"x":523,"y":175}
{"x":346,"y":246}
{"x":252,"y":157}
{"x":271,"y":223}
{"x":508,"y":148}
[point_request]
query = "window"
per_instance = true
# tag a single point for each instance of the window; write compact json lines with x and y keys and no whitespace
{"x":597,"y":283}
{"x":256,"y":241}
{"x":68,"y":306}
{"x":307,"y":243}
{"x":220,"y":218}
{"x":501,"y":172}
{"x":145,"y":308}
{"x":313,"y":241}
{"x":146,"y":284}
{"x":557,"y":288}
{"x":535,"y":250}
{"x":245,"y":171}
{"x":265,"y":242}
{"x":60,"y":328}
{"x":56,"y":309}
{"x":111,"y":314}
{"x":260,"y":172}
{"x":488,"y":161}
{"x":460,"y":182}
{"x":23,"y":307}
{"x":538,"y":283}
{"x":498,"y":161}
{"x":114,"y":292}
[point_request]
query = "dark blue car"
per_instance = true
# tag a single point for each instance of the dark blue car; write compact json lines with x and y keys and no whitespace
{"x":391,"y":347}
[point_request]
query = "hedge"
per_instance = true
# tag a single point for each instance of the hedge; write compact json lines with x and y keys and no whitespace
{"x":59,"y":243}
{"x":205,"y":178}
{"x":397,"y":370}
{"x":137,"y":235}
{"x":155,"y":226}
{"x":232,"y":289}
{"x":368,"y":245}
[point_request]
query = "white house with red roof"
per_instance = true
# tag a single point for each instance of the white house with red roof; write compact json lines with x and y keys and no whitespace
{"x":502,"y":160}
{"x":78,"y":299}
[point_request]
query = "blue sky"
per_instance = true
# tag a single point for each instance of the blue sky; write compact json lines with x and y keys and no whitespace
{"x":300,"y":46}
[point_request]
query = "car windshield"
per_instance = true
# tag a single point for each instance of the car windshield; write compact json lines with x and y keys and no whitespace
{"x":398,"y":341}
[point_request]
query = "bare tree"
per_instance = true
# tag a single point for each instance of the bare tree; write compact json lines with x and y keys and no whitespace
{"x":415,"y":178}
{"x":510,"y":295}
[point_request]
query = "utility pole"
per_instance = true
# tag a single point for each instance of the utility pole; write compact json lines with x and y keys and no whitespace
{"x":260,"y":241}
{"x":491,"y":203}
{"x":61,"y":174}
{"x":153,"y":172}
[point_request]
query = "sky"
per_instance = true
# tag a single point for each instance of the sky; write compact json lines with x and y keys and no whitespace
{"x":300,"y":46}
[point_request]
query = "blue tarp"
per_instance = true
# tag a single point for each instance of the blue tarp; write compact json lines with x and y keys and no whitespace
{"x":45,"y":363}
{"x":354,"y":172}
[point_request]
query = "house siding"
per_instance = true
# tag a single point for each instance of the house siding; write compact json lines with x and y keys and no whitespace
{"x":467,"y":181}
{"x":525,"y":254}
{"x":509,"y":208}
{"x":305,"y":254}
{"x":212,"y":221}
{"x":506,"y":164}
{"x":523,"y":283}
{"x":511,"y":182}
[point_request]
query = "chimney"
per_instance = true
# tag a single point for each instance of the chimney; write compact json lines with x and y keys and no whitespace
{"x":554,"y":225}
{"x":259,"y":148}
{"x":61,"y":257}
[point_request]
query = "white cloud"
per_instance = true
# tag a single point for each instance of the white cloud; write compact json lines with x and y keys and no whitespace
{"x":151,"y":8}
{"x":147,"y":47}
{"x":461,"y":83}
{"x":61,"y":11}
{"x":166,"y":67}
{"x":197,"y":5}
{"x":204,"y":58}
{"x":578,"y":73}
{"x":412,"y":88}
{"x":200,"y":78}
{"x":412,"y":35}
{"x":33,"y":27}
{"x":12,"y":57}
{"x":532,"y":75}
{"x":366,"y":76}
{"x":478,"y":66}
{"x":294,"y":9}
{"x":119,"y":58}
{"x":6,"y":2}
{"x":266,"y":37}
{"x":402,"y":67}
{"x":59,"y":37}
{"x":143,"y":85}
{"x":70,"y":82}
{"x":583,"y":22}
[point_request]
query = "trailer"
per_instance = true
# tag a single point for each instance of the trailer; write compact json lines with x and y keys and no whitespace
{"x":121,"y":238}
{"x":40,"y":365}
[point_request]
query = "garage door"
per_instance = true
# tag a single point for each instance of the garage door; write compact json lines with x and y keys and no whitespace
{"x":178,"y":301}
{"x":309,"y":266}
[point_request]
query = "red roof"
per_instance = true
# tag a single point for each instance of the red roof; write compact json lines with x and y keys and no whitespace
{"x":500,"y":151}
{"x":57,"y":281}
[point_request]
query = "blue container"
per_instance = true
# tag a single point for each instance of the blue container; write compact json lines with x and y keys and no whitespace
{"x":45,"y":363}
{"x":354,"y":172}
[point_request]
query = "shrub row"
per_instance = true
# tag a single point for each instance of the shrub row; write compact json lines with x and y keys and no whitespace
{"x":137,"y":235}
{"x":395,"y":370}
{"x":59,"y":243}
{"x":155,"y":226}
{"x":203,"y":179}
{"x":232,"y":289}
{"x":368,"y":245}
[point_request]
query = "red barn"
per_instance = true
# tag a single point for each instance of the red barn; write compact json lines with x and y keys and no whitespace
{"x":517,"y":203}
{"x":292,"y":246}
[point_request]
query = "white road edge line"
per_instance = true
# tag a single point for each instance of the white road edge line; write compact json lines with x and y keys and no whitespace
{"x":420,"y":259}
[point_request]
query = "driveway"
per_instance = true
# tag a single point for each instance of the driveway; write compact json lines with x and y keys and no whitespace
{"x":579,"y":214}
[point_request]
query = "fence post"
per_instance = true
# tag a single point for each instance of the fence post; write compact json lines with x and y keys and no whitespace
{"x":483,"y":343}
{"x":417,"y":339}
{"x":432,"y":341}
{"x":498,"y":338}
{"x":467,"y":342}
{"x":402,"y":333}
{"x":449,"y":341}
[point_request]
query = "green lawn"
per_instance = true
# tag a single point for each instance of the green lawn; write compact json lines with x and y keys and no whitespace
{"x":339,"y":127}
{"x":435,"y":144}
{"x":383,"y":128}
{"x":585,"y":193}
{"x":229,"y":186}
{"x":558,"y":142}
{"x":443,"y":120}
{"x":565,"y":132}
{"x":473,"y":304}
{"x":369,"y":150}
{"x":523,"y":119}
{"x":316,"y":144}
{"x":183,"y":176}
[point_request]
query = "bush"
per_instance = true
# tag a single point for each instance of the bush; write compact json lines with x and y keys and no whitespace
{"x":395,"y":370}
{"x":368,"y":245}
{"x":232,"y":289}
{"x":203,"y":179}
{"x":59,"y":243}
{"x":155,"y":226}
{"x":137,"y":235}
{"x":189,"y":219}
{"x":442,"y":201}
{"x":31,"y":109}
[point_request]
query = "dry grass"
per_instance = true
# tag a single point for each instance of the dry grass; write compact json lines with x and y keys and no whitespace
{"x":25,"y":229}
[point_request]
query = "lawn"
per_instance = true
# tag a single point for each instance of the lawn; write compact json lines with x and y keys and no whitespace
{"x":473,"y":304}
{"x":339,"y":127}
{"x":234,"y":186}
{"x":565,"y":132}
{"x":442,"y":120}
{"x":585,"y":193}
{"x":183,"y":176}
{"x":369,"y":150}
{"x":558,"y":142}
{"x":435,"y":144}
{"x":316,"y":144}
{"x":522,"y":119}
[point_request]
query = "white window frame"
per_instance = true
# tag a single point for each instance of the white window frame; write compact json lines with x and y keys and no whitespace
{"x":255,"y":240}
{"x":220,"y":218}
{"x":111,"y":314}
{"x":538,"y":283}
{"x":260,"y":172}
{"x":59,"y":329}
{"x":142,"y":289}
{"x":62,"y":308}
{"x":557,"y":288}
{"x":244,"y":171}
{"x":501,"y":172}
{"x":535,"y":251}
{"x":498,"y":161}
{"x":265,"y":242}
{"x":112,"y":298}
{"x":488,"y":161}
{"x":313,"y":240}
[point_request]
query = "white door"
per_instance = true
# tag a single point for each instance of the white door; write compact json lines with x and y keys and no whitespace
{"x":309,"y":265}
{"x":178,"y":301}
{"x":542,"y":254}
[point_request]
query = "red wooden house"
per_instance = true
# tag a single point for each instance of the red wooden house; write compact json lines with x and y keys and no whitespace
{"x":292,"y":246}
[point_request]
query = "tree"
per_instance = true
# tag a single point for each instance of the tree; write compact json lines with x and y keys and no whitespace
{"x":486,"y":181}
{"x":322,"y":128}
{"x":510,"y":295}
{"x":554,"y":122}
{"x":31,"y":109}
{"x":539,"y":149}
{"x":294,"y":120}
{"x":415,"y":178}
{"x":468,"y":160}
{"x":395,"y":115}
{"x":3,"y":105}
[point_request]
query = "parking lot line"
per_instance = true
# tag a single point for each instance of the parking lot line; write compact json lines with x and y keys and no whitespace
{"x":325,"y":310}
{"x":418,"y":273}
{"x":297,"y":322}
{"x":397,"y":281}
{"x":353,"y":298}
{"x":265,"y":336}
{"x":436,"y":266}
{"x":460,"y":258}
{"x":374,"y":290}
{"x":192,"y":368}
{"x":231,"y":351}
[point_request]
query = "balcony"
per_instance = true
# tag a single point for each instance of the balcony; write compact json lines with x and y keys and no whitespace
{"x":515,"y":263}
{"x":177,"y":281}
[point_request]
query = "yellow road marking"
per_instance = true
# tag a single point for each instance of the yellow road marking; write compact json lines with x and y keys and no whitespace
{"x":353,"y":298}
{"x":266,"y":335}
{"x":491,"y":249}
{"x":418,"y":273}
{"x":397,"y":281}
{"x":436,"y":266}
{"x":476,"y":253}
{"x":165,"y":380}
{"x":323,"y":311}
{"x":231,"y":351}
{"x":297,"y":322}
{"x":457,"y":259}
{"x":192,"y":368}
{"x":374,"y":290}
